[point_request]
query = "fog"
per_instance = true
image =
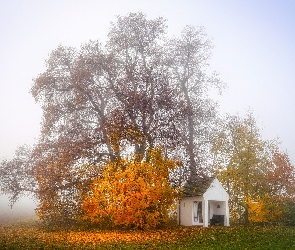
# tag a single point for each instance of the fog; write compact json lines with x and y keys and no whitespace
{"x":24,"y":209}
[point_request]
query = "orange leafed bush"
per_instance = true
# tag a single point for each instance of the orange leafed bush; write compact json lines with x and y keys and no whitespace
{"x":132,"y":193}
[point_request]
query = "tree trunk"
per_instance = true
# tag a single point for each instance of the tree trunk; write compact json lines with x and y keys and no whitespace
{"x":191,"y":132}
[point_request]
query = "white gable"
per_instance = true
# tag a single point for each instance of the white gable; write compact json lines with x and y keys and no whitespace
{"x":216,"y":192}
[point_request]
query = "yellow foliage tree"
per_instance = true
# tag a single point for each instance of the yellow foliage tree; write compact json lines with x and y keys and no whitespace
{"x":241,"y":160}
{"x":132,"y":193}
{"x":258,"y":177}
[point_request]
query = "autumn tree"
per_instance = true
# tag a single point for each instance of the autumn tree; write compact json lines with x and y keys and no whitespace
{"x":241,"y":161}
{"x":276,"y":204}
{"x":280,"y":175}
{"x":132,"y":193}
{"x":281,"y":185}
{"x":256,"y":175}
{"x":102,"y":102}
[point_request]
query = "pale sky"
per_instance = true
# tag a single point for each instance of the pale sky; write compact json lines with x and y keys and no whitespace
{"x":254,"y":52}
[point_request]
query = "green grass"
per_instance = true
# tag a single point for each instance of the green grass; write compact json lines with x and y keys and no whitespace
{"x":21,"y":236}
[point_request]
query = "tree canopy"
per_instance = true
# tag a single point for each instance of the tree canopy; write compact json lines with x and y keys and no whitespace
{"x":138,"y":91}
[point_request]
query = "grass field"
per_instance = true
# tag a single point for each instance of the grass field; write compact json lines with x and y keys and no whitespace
{"x":29,"y":236}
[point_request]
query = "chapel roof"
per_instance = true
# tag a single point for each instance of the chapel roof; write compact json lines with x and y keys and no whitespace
{"x":197,"y":186}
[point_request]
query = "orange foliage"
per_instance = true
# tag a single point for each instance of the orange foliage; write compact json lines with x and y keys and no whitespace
{"x":132,"y":193}
{"x":264,"y":210}
{"x":257,"y":210}
{"x":280,"y":176}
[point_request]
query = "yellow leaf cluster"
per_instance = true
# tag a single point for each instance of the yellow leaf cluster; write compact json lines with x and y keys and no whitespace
{"x":263,"y":210}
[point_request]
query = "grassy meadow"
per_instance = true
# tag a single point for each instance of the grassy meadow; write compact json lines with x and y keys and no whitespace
{"x":28,"y":235}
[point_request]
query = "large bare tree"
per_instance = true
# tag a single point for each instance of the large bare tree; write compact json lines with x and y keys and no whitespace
{"x":138,"y":91}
